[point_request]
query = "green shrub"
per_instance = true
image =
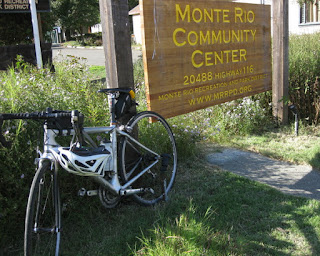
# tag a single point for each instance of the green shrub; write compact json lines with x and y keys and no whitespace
{"x":304,"y":59}
{"x":218,"y":123}
{"x":25,"y":89}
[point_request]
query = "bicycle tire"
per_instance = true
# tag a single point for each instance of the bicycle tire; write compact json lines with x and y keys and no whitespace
{"x":43,"y":214}
{"x":157,"y":136}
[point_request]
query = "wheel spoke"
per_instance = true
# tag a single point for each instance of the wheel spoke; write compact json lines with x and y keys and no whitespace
{"x":136,"y":164}
{"x":154,"y":137}
{"x":43,"y":216}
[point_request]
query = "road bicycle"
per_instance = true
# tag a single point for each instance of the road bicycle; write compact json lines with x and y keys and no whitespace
{"x":138,"y":159}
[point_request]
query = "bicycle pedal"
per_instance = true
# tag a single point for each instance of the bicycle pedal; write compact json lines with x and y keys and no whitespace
{"x":150,"y":190}
{"x":83,"y":192}
{"x":92,"y":192}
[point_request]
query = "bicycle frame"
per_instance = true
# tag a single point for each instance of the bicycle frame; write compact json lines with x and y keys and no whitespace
{"x":114,"y":186}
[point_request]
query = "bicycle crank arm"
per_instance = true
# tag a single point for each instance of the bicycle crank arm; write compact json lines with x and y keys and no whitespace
{"x":128,"y":192}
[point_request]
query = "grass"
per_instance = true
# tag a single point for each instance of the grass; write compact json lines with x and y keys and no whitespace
{"x":282,"y":144}
{"x":210,"y":212}
{"x":98,"y":72}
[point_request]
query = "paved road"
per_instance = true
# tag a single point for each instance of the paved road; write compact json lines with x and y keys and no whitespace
{"x":92,"y":56}
{"x":299,"y":180}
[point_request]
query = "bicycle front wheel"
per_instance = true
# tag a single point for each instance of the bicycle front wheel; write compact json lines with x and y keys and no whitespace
{"x":156,"y":157}
{"x":43,"y":215}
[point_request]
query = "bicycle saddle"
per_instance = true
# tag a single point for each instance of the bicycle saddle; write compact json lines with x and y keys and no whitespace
{"x":114,"y":90}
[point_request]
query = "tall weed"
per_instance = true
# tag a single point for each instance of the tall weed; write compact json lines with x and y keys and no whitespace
{"x":304,"y":68}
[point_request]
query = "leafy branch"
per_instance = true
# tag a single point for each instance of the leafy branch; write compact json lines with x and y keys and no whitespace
{"x":301,"y":2}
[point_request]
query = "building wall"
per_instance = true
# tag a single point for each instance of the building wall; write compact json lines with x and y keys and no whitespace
{"x":96,"y":28}
{"x":295,"y":27}
{"x":137,"y":29}
{"x":294,"y":17}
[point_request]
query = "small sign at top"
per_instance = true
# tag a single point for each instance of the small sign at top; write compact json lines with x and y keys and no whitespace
{"x":21,"y":6}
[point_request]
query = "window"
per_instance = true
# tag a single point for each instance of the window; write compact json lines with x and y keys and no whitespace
{"x":310,"y":12}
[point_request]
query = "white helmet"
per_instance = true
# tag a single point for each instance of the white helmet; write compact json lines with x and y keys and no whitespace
{"x":85,"y":162}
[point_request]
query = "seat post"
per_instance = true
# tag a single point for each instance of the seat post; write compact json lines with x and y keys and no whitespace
{"x":112,"y":99}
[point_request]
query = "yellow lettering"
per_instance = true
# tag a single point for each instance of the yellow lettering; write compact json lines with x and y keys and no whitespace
{"x":204,"y":39}
{"x":225,"y":16}
{"x":193,"y":57}
{"x":235,"y":56}
{"x":238,"y":12}
{"x":183,"y":15}
{"x":196,"y":38}
{"x":253,"y":32}
{"x":217,"y":57}
{"x":208,"y":58}
{"x":235,"y":36}
{"x":243,"y":16}
{"x":208,"y":15}
{"x":175,"y":32}
{"x":243,"y":55}
{"x":250,"y":16}
{"x":218,"y":11}
{"x":224,"y":37}
{"x":194,"y":15}
{"x":246,"y":32}
{"x":216,"y":38}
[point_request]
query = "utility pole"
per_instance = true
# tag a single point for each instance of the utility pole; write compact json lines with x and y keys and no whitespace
{"x":117,"y":43}
{"x":280,"y":80}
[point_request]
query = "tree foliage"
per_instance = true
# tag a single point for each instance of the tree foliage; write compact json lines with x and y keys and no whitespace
{"x":75,"y":15}
{"x":301,"y":2}
{"x":16,"y":28}
{"x":132,"y":3}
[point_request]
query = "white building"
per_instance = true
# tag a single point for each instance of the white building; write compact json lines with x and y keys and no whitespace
{"x":303,"y":19}
{"x":135,"y":13}
{"x":96,"y":28}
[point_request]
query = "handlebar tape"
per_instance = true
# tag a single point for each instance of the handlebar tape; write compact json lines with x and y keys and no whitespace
{"x":34,"y":115}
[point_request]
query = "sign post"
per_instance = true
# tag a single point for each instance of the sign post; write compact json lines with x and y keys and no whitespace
{"x":280,"y":83}
{"x":36,"y":35}
{"x":201,"y":53}
{"x":116,"y":43}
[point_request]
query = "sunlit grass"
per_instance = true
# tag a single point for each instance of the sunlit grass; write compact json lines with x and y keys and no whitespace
{"x":283,"y":144}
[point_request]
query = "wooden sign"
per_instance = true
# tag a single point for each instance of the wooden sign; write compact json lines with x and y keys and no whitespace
{"x":202,"y":53}
{"x":19,"y":6}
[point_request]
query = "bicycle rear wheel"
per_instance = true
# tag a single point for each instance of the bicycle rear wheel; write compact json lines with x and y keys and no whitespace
{"x":161,"y":156}
{"x":43,"y":215}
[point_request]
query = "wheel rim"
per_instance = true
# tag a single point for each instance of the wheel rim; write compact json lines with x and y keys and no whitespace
{"x":43,"y":217}
{"x":158,"y":137}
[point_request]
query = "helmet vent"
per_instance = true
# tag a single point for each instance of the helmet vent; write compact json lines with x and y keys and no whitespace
{"x":65,"y":157}
{"x":91,"y":162}
{"x":97,"y":170}
{"x":72,"y":169}
{"x":80,"y":164}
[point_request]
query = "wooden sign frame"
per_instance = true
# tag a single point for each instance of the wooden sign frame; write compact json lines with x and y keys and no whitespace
{"x":202,"y":53}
